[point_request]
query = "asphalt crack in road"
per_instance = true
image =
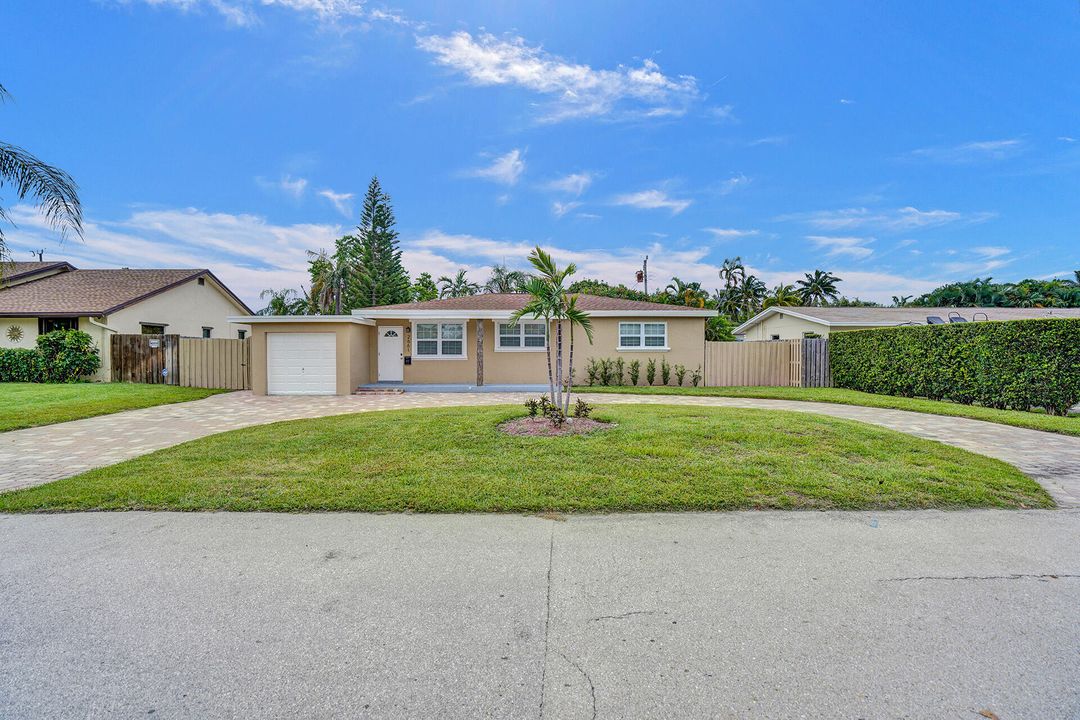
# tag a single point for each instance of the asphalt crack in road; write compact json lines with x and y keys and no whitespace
{"x":1015,"y":576}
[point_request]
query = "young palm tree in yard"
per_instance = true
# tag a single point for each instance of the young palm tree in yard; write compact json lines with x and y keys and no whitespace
{"x":551,"y":302}
{"x":458,"y":286}
{"x":283,"y":302}
{"x":53,"y":190}
{"x":781,"y":296}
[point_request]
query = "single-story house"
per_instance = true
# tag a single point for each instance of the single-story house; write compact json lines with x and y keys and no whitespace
{"x":467,"y":341}
{"x":37,"y":297}
{"x":792,"y":323}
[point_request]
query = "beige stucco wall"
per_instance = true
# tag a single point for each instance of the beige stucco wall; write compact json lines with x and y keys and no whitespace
{"x":789,"y":328}
{"x":29,"y":327}
{"x":686,"y":340}
{"x":184,"y":310}
{"x":352,"y":343}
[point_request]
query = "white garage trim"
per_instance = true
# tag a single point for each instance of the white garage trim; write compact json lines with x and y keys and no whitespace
{"x":301,"y":363}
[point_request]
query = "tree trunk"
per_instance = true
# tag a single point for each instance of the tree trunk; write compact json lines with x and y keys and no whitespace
{"x":479,"y":353}
{"x":558,"y":364}
{"x":569,"y":371}
{"x":551,"y":378}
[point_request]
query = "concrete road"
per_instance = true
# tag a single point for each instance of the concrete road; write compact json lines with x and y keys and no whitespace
{"x":733,"y":615}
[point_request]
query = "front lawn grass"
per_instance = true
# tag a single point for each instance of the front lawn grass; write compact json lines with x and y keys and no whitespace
{"x":653,"y":457}
{"x":24,"y":405}
{"x":1068,"y":425}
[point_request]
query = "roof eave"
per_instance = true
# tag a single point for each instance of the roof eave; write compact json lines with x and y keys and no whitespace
{"x":506,"y":314}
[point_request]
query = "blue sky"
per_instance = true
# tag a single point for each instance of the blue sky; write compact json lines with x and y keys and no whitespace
{"x":900,"y":145}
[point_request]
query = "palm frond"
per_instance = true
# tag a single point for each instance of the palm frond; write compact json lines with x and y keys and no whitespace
{"x":54,"y":191}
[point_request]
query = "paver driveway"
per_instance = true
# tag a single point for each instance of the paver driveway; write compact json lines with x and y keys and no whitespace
{"x":42,"y":454}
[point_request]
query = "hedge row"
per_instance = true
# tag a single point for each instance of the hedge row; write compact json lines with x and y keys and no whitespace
{"x":1018,"y":365}
{"x":60,"y":356}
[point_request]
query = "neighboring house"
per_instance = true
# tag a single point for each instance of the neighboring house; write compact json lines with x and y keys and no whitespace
{"x":38,"y":297}
{"x":791,"y":323}
{"x":461,"y":341}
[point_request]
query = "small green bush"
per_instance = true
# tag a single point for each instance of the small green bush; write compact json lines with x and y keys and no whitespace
{"x":61,"y":356}
{"x":1017,"y":365}
{"x":592,"y":371}
{"x":533,"y":406}
{"x":21,"y":365}
{"x":619,"y":371}
{"x":680,"y":374}
{"x":665,"y":371}
{"x":635,"y":371}
{"x":695,"y":377}
{"x":582,"y":409}
{"x":650,"y":371}
{"x":68,"y":355}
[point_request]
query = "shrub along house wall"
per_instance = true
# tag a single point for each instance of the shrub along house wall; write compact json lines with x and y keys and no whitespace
{"x":1019,"y":365}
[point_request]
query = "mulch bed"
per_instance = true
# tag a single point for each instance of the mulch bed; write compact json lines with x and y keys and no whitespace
{"x":542,"y":427}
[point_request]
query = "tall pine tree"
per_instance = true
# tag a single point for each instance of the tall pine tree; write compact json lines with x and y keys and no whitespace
{"x":380,"y":277}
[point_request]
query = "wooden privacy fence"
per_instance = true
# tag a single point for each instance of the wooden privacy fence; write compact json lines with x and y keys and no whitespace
{"x":777,"y":363}
{"x":150,"y":359}
{"x":188,"y":362}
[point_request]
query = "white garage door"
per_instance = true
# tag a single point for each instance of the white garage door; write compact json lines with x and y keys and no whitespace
{"x":301,"y":363}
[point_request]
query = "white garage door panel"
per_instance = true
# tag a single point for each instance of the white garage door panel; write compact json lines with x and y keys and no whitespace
{"x":301,"y":363}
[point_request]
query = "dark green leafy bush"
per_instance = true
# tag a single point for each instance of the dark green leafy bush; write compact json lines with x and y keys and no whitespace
{"x":1018,"y":365}
{"x":60,"y":356}
{"x":635,"y":371}
{"x":21,"y":365}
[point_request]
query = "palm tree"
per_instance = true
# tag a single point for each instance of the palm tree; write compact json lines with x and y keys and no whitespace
{"x":901,"y":300}
{"x":54,"y":192}
{"x":781,"y":296}
{"x":283,"y":302}
{"x":818,"y":288}
{"x":329,"y":276}
{"x":732,"y":272}
{"x":458,"y":286}
{"x":750,"y":293}
{"x":505,"y":280}
{"x":689,"y":294}
{"x":550,"y":300}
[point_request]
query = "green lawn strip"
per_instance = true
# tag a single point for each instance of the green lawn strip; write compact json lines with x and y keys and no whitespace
{"x":1032,"y":420}
{"x":654,"y":457}
{"x":24,"y":405}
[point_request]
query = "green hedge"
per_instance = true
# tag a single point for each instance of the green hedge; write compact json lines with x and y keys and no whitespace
{"x":1018,"y":365}
{"x":60,"y":356}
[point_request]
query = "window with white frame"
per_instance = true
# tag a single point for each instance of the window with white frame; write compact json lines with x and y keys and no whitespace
{"x":642,"y":335}
{"x":522,"y":336}
{"x":435,"y":339}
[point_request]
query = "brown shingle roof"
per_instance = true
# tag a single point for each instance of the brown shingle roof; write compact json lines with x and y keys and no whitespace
{"x":515,"y":301}
{"x":89,"y":292}
{"x":13,"y":270}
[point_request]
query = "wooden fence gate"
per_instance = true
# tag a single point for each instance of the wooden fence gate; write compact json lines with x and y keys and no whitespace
{"x":151,"y":359}
{"x":776,"y":363}
{"x":188,"y":362}
{"x":815,"y":363}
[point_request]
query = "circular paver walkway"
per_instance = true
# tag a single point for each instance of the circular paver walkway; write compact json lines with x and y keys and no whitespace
{"x":43,"y":454}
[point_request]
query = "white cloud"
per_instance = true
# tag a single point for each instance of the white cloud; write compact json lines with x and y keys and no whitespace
{"x":558,"y":209}
{"x":990,"y":251}
{"x":246,"y":12}
{"x":341,"y":201}
{"x":576,"y":90}
{"x":846,"y":101}
{"x":770,"y":140}
{"x":853,"y":247}
{"x":728,"y":233}
{"x":1066,"y":138}
{"x":574,"y":183}
{"x":652,"y":200}
{"x":733,"y":183}
{"x":506,"y":169}
{"x":247,"y":252}
{"x":886,"y":220}
{"x":293,"y":187}
{"x":971,"y":152}
{"x":723,"y":112}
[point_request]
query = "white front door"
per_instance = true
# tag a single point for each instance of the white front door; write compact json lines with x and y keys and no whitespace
{"x":391,"y":354}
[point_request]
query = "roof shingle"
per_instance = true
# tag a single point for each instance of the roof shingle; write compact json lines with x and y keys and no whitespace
{"x":88,"y":292}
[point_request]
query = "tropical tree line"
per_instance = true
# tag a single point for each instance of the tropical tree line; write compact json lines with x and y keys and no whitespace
{"x":984,"y":292}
